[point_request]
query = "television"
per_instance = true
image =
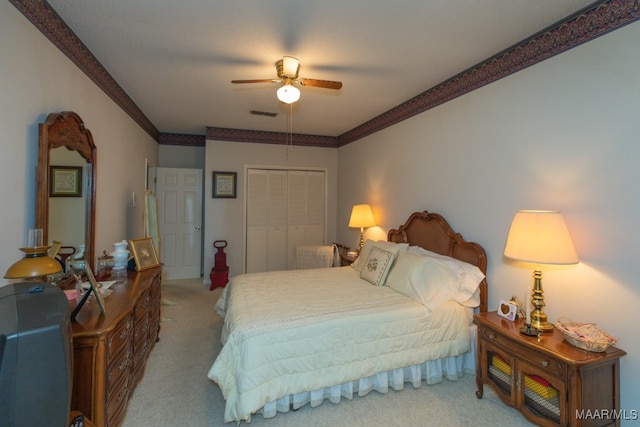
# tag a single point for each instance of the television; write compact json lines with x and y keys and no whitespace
{"x":35,"y":355}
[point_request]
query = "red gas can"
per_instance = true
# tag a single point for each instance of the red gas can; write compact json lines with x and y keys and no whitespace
{"x":220,"y":271}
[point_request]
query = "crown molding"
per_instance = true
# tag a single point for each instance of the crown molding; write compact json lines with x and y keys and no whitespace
{"x":587,"y":24}
{"x":182,"y":139}
{"x":263,"y":137}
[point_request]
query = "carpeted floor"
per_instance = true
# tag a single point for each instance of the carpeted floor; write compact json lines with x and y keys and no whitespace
{"x":175,"y":390}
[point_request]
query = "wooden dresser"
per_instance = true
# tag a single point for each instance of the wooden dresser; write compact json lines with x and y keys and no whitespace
{"x":110,"y":351}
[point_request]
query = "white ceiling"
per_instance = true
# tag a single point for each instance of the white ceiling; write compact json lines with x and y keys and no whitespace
{"x":176,"y":59}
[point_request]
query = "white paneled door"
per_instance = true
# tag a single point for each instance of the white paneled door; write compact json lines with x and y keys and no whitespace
{"x":179,"y":193}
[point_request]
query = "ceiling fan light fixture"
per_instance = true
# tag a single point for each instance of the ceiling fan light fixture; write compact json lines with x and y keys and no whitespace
{"x":290,"y":66}
{"x":288,"y":94}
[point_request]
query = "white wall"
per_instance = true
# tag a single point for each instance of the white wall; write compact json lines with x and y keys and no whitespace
{"x":37,"y":79}
{"x":561,"y":135}
{"x":176,"y":156}
{"x":224,"y":217}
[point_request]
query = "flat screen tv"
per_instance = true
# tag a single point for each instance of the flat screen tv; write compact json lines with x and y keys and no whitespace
{"x":35,"y":355}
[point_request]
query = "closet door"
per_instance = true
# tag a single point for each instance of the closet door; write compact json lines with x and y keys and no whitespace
{"x":266,"y":220}
{"x":306,"y":211}
{"x":284,"y":209}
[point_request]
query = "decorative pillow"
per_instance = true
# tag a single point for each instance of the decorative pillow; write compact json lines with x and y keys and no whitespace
{"x":426,"y":279}
{"x":392,"y":247}
{"x":377,"y":266}
{"x":469,"y":275}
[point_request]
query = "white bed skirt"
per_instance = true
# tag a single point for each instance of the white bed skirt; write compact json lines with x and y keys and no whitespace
{"x":432,"y":372}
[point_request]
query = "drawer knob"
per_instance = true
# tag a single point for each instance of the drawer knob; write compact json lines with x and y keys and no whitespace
{"x":491,"y":336}
{"x":544,"y":363}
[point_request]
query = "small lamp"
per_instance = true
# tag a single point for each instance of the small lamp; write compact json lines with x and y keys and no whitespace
{"x":539,"y":237}
{"x":361,"y":217}
{"x":36,"y":264}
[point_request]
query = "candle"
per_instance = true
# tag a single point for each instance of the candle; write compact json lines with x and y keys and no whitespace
{"x":528,"y":306}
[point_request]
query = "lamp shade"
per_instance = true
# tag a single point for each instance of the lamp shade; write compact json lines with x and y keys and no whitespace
{"x":290,"y":66}
{"x":540,"y":237}
{"x":361,"y":216}
{"x":288,"y":94}
{"x":35,"y":264}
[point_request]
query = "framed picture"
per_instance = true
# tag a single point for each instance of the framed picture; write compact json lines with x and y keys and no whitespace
{"x":93,"y":287}
{"x":54,"y":249}
{"x":508,"y":310}
{"x":224,"y":185}
{"x":144,"y":253}
{"x":65,"y":181}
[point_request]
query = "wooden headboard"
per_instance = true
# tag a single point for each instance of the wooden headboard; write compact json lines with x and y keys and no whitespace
{"x":432,"y":232}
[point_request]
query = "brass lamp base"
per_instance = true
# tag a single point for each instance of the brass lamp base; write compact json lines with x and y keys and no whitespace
{"x":538,"y":317}
{"x":539,"y":321}
{"x":361,"y":244}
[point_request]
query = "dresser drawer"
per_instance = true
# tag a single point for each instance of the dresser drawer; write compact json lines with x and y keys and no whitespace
{"x":143,"y":326}
{"x":143,"y":305}
{"x":118,"y":371}
{"x":120,"y":338}
{"x":117,"y":402}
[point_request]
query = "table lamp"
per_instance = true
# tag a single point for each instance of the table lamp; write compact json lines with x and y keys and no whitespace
{"x":539,"y":237}
{"x":361,"y":217}
{"x":36,"y":264}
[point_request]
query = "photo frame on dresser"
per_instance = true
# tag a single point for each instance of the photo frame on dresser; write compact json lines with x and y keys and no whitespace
{"x":91,"y":287}
{"x":144,"y":253}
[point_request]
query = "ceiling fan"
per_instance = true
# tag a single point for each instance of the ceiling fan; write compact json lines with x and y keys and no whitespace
{"x":288,"y":68}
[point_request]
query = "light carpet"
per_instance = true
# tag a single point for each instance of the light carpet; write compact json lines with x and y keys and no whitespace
{"x":175,"y":390}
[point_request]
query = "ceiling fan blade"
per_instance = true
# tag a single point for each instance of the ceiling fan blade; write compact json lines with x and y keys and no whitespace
{"x":256,"y":81}
{"x":327,"y":84}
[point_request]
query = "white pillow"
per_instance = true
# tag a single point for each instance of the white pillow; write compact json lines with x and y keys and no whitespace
{"x":377,"y":266}
{"x":469,"y":275}
{"x":426,"y":279}
{"x":392,"y":247}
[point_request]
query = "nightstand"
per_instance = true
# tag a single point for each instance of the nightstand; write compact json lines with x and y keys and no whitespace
{"x":550,"y":381}
{"x":346,"y":259}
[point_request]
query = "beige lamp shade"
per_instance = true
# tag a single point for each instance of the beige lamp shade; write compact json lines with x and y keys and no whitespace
{"x":540,"y":237}
{"x":361,"y":216}
{"x":35,"y":264}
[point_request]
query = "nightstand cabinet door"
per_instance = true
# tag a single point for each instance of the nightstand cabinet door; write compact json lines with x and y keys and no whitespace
{"x":542,"y":397}
{"x":498,"y":370}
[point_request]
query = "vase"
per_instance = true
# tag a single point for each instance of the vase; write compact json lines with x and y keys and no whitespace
{"x":120,"y":255}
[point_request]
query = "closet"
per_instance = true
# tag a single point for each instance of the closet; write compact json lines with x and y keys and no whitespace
{"x":285,"y":208}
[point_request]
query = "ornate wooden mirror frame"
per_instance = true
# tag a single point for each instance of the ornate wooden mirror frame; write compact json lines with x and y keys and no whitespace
{"x":66,"y":129}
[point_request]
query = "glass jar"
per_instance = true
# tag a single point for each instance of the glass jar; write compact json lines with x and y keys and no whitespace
{"x":104,"y":266}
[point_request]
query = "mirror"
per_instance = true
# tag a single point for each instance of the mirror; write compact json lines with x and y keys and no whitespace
{"x":66,"y":182}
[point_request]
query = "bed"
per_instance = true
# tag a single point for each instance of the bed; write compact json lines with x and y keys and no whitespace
{"x":402,"y":313}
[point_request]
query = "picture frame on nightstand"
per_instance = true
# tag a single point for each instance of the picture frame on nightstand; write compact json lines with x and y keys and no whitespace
{"x":508,"y":310}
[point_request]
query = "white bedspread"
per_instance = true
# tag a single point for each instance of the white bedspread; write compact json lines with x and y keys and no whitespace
{"x":294,"y":331}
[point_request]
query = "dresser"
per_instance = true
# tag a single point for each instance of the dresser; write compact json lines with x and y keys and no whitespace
{"x":552,"y":382}
{"x":110,"y":351}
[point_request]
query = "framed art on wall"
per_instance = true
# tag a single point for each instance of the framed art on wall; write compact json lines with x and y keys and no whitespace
{"x":224,"y":184}
{"x":65,"y":181}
